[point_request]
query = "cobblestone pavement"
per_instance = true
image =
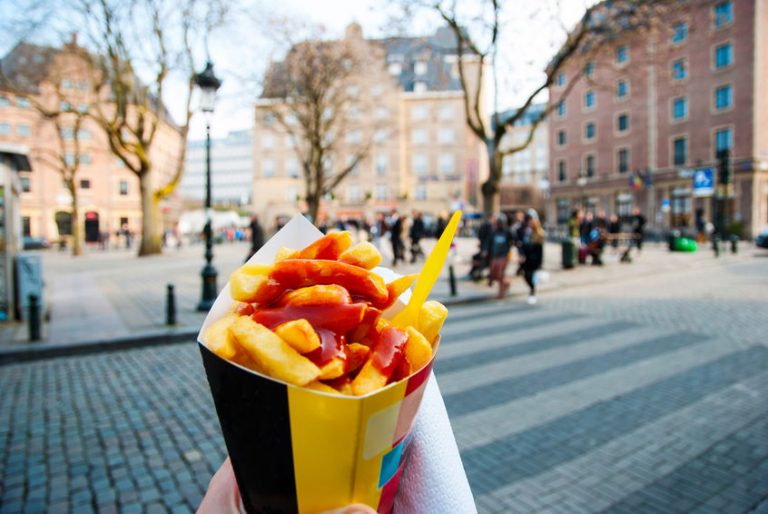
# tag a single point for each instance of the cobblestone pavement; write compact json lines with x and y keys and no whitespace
{"x":634,"y":395}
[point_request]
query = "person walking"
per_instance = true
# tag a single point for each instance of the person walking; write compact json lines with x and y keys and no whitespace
{"x":614,"y":228}
{"x":638,"y":228}
{"x":532,"y":253}
{"x":498,"y":244}
{"x":416,"y":232}
{"x":257,"y":236}
{"x":396,"y":237}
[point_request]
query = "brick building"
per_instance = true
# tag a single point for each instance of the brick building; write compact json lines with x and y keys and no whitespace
{"x":408,"y":103}
{"x":654,"y":106}
{"x":107,"y":192}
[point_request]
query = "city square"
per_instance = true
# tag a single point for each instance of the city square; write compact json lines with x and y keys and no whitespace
{"x":394,"y":257}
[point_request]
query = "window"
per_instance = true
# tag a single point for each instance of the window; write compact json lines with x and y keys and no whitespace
{"x":268,"y":168}
{"x":4,"y":101}
{"x":354,"y":137}
{"x":723,"y":55}
{"x":82,"y":108}
{"x":69,"y":158}
{"x":292,"y":167}
{"x":622,"y":88}
{"x":65,"y":106}
{"x":589,"y":130}
{"x":22,"y":102}
{"x":268,"y":141}
{"x":26,"y":226}
{"x":5,"y":129}
{"x":589,"y":99}
{"x":381,"y":113}
{"x":561,"y":171}
{"x":420,"y":87}
{"x":561,"y":137}
{"x":679,"y":32}
{"x":66,"y":84}
{"x":377,"y":90}
{"x":353,"y":91}
{"x":420,"y":68}
{"x":380,"y":135}
{"x":421,"y":192}
{"x":418,"y":112}
{"x":679,"y":69}
{"x":589,"y":69}
{"x":446,"y":112}
{"x":395,"y":68}
{"x":622,"y":122}
{"x":22,"y":130}
{"x":354,"y":194}
{"x":25,"y":184}
{"x":560,"y":80}
{"x":680,"y":108}
{"x":85,"y":183}
{"x":381,"y":192}
{"x":723,"y":140}
{"x":623,"y":160}
{"x":445,"y":136}
{"x":85,"y":158}
{"x":354,"y":113}
{"x":622,"y":54}
{"x":680,"y":151}
{"x":589,"y":164}
{"x":419,"y":163}
{"x":723,"y":97}
{"x":561,"y":108}
{"x":419,"y":136}
{"x":122,"y":188}
{"x":83,"y":134}
{"x":447,"y":164}
{"x":381,"y":163}
{"x":723,"y":14}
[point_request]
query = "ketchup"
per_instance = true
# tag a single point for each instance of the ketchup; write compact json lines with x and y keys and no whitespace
{"x":340,"y":318}
{"x":388,"y":351}
{"x":331,"y":345}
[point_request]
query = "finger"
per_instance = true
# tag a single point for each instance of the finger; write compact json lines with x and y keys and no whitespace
{"x":223,"y":496}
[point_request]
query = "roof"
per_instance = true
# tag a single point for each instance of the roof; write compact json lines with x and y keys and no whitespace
{"x":431,"y":50}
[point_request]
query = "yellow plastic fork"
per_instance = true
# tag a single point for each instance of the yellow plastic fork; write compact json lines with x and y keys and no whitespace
{"x":428,"y":275}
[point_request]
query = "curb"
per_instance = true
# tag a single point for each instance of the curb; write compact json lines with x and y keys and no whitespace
{"x":38,"y":351}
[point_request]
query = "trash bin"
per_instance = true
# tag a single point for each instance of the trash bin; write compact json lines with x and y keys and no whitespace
{"x":569,"y":253}
{"x":672,"y":238}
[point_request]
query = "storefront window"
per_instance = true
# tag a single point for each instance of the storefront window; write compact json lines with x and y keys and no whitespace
{"x":563,"y":210}
{"x":681,"y":211}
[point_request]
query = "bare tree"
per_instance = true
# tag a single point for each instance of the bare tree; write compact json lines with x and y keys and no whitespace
{"x":311,"y":94}
{"x":132,"y":113}
{"x":477,"y":50}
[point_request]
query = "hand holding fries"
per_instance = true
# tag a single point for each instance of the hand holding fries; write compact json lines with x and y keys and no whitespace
{"x":313,"y":318}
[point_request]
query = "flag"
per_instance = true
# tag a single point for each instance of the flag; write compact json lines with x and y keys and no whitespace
{"x":635,"y":181}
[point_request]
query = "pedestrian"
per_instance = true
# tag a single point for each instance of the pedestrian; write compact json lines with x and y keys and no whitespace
{"x":574,"y":225}
{"x":396,"y":237}
{"x":416,"y":232}
{"x":257,"y":236}
{"x":596,"y":241}
{"x":378,"y":229}
{"x":497,"y":247}
{"x":532,"y":253}
{"x":638,"y":228}
{"x":483,"y":233}
{"x":585,"y":229}
{"x":614,"y":227}
{"x":440,"y":224}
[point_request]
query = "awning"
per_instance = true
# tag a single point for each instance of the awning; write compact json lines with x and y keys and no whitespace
{"x":17,"y":155}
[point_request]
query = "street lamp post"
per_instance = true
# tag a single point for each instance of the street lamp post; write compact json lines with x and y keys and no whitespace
{"x":208,"y":84}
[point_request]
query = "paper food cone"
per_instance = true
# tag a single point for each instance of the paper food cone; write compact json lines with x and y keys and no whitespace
{"x":301,"y":450}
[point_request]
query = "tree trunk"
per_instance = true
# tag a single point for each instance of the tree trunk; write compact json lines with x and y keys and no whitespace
{"x":313,"y":207}
{"x":151,"y":221}
{"x":490,"y":188}
{"x":77,"y":243}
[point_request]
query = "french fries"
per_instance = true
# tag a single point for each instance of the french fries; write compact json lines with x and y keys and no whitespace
{"x":314,"y":319}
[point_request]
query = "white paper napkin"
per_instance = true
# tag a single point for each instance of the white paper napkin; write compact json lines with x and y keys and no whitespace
{"x":434,"y":481}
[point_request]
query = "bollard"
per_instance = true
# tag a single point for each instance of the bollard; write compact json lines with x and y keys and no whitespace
{"x":716,"y":245}
{"x":452,"y":279}
{"x":170,"y":306}
{"x":734,"y":244}
{"x":34,"y":318}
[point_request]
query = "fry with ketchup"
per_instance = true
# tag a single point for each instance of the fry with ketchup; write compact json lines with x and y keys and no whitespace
{"x":314,"y":319}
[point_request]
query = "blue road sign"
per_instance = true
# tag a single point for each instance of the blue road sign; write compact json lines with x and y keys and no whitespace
{"x":703,"y":182}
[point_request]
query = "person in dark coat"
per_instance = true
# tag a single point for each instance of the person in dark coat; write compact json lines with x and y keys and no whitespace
{"x":614,"y":228}
{"x":532,"y":253}
{"x":416,"y":232}
{"x":257,"y":236}
{"x":396,"y":237}
{"x":638,"y":228}
{"x":440,"y":224}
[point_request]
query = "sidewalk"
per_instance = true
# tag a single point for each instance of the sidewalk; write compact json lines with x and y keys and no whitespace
{"x":114,"y":299}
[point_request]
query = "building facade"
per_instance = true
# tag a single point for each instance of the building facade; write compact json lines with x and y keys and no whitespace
{"x":651,"y":112}
{"x":107,"y":192}
{"x":408,"y":106}
{"x":231,"y":170}
{"x":525,"y":174}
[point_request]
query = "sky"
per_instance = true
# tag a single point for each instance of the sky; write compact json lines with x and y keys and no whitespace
{"x":532,"y":32}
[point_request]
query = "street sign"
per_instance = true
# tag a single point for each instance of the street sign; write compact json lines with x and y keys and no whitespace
{"x":665,"y":205}
{"x":703,"y":182}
